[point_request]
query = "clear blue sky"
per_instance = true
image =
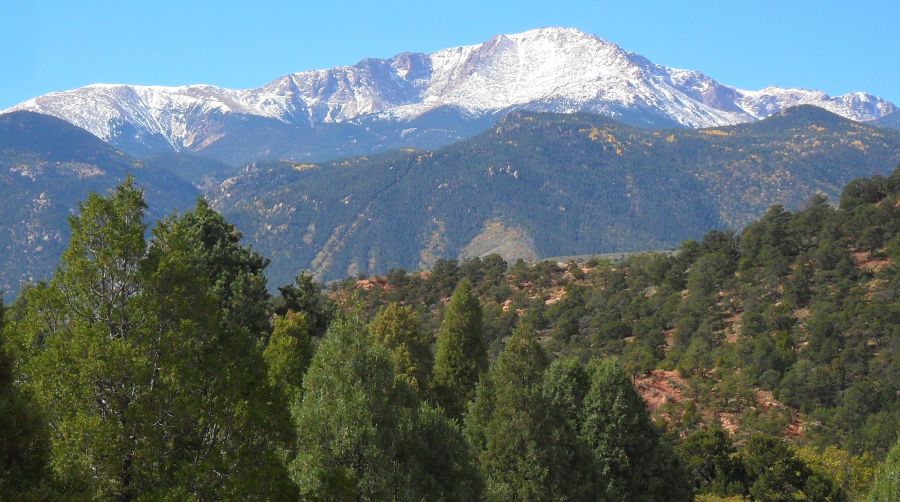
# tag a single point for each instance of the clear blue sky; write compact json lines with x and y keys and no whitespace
{"x":47,"y":46}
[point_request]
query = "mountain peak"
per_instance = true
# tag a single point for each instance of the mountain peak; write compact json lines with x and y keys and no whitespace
{"x":554,"y":32}
{"x":555,"y":69}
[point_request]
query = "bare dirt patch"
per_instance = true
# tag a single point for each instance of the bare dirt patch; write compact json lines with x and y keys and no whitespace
{"x":866,"y":261}
{"x":660,"y":387}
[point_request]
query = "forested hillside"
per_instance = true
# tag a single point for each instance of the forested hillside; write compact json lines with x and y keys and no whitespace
{"x":803,"y":305}
{"x":533,"y":186}
{"x":761,"y":365}
{"x":46,"y":166}
{"x":890,"y":120}
{"x":539,"y":185}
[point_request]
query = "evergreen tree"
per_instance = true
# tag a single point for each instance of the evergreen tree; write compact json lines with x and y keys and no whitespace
{"x":776,"y":474}
{"x":566,"y":382}
{"x":361,"y":430}
{"x":288,"y":354}
{"x":24,"y":449}
{"x":234,"y":272}
{"x":435,"y":458}
{"x":711,"y":461}
{"x":886,"y":486}
{"x":522,"y":446}
{"x":149,"y":390}
{"x":305,"y":295}
{"x":396,"y":328}
{"x":347,"y":422}
{"x":461,"y":354}
{"x":632,"y":461}
{"x":210,"y":292}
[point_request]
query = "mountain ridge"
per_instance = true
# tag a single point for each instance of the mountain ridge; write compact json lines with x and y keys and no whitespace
{"x":47,"y":166}
{"x":559,"y":70}
{"x":546,"y":185}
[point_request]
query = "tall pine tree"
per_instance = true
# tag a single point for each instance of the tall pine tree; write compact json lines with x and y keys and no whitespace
{"x":24,"y":448}
{"x":522,"y":445}
{"x":396,"y":328}
{"x":461,"y":354}
{"x":363,"y":435}
{"x":632,"y":462}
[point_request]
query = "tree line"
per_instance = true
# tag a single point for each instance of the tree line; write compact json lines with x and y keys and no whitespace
{"x":161,"y":368}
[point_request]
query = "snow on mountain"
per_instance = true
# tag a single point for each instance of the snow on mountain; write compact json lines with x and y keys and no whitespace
{"x":548,"y":69}
{"x":855,"y":105}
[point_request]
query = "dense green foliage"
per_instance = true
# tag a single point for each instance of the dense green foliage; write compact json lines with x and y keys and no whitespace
{"x":520,"y":443}
{"x":288,"y":354}
{"x":461,"y":355}
{"x":23,"y":443}
{"x":360,"y":430}
{"x":887,"y":479}
{"x":396,"y":328}
{"x":161,"y":368}
{"x":145,"y":359}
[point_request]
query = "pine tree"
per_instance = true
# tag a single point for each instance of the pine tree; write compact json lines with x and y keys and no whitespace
{"x":24,"y":448}
{"x":234,"y":272}
{"x":632,"y":462}
{"x":396,"y":328}
{"x":566,"y":382}
{"x":305,"y":295}
{"x":776,"y":474}
{"x":347,"y":420}
{"x":436,"y":461}
{"x":361,"y":431}
{"x":151,"y":387}
{"x":522,"y":446}
{"x":288,"y":354}
{"x":886,"y":486}
{"x":461,"y":354}
{"x":710,"y":459}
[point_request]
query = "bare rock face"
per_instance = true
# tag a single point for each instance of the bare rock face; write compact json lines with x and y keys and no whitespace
{"x":509,"y":241}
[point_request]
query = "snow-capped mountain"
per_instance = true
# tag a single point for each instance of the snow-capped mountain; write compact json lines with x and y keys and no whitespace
{"x":548,"y":69}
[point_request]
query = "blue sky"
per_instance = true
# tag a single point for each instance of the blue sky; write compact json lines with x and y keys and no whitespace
{"x":47,"y":46}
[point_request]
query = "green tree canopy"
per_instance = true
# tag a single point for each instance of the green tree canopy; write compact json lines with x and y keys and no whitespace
{"x":632,"y":461}
{"x":24,"y":445}
{"x":361,"y":430}
{"x":461,"y":355}
{"x":396,"y":328}
{"x":521,"y":444}
{"x":132,"y":361}
{"x":777,"y":474}
{"x":711,"y":462}
{"x":288,"y":354}
{"x":886,"y":486}
{"x":305,"y":295}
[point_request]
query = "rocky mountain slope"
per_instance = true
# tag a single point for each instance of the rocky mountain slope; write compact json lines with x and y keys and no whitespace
{"x":46,"y":167}
{"x":891,"y":120}
{"x":545,"y":185}
{"x":423,"y":100}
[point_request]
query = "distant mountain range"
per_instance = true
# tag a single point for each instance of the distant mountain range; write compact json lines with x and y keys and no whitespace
{"x":544,"y":143}
{"x":534,"y":185}
{"x":48,"y":166}
{"x":538,"y":185}
{"x":422,"y":100}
